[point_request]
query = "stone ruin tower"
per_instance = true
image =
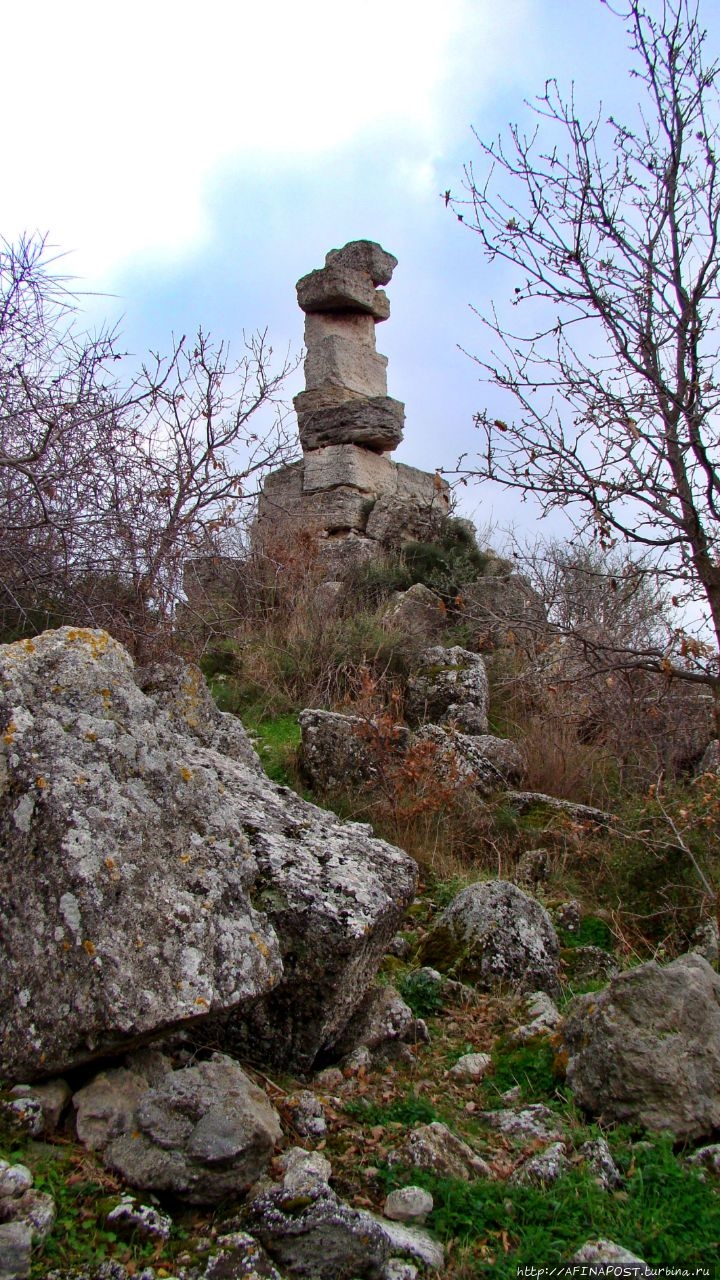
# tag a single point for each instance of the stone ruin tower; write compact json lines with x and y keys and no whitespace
{"x":347,"y":492}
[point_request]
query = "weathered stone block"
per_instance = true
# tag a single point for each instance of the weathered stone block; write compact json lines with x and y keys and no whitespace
{"x":341,"y":361}
{"x":346,"y":324}
{"x":374,"y":423}
{"x":339,"y":288}
{"x":395,"y":520}
{"x":347,"y":464}
{"x":366,"y":256}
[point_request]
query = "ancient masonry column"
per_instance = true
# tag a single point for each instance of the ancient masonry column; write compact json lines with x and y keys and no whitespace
{"x":347,"y":495}
{"x":346,"y":399}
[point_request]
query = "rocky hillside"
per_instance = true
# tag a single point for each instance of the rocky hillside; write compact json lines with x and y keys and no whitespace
{"x":239,"y":1038}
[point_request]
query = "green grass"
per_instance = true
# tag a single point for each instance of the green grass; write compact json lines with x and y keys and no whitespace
{"x":531,"y":1066}
{"x":593,"y":932}
{"x":665,"y":1215}
{"x":422,"y":994}
{"x":277,"y":741}
{"x":410,"y":1110}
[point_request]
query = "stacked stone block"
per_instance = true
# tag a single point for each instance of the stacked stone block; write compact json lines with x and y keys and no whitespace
{"x":346,"y":490}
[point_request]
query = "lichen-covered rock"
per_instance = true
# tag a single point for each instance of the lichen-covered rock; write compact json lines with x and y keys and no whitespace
{"x":543,"y":1168}
{"x":599,"y":1162}
{"x":314,"y":1235}
{"x":366,"y":256}
{"x":481,"y":762}
{"x":646,"y":1050}
{"x":544,"y":1018}
{"x":15,"y":1250}
{"x":236,"y":1256}
{"x":599,"y":1253}
{"x":492,"y":932}
{"x":346,"y":751}
{"x":419,"y":1244}
{"x":130,"y":1216}
{"x":449,"y":686}
{"x":105,"y":1107}
{"x":173,"y":881}
{"x":418,"y":612}
{"x":136,"y":915}
{"x":471,"y":1066}
{"x":435,"y":1148}
{"x":534,"y":1122}
{"x":52,"y":1097}
{"x":204,"y":1133}
{"x":408,"y":1204}
{"x":383,"y":1016}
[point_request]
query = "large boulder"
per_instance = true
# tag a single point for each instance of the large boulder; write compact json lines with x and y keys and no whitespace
{"x":449,"y":686}
{"x":347,"y":751}
{"x":151,"y":876}
{"x":646,"y":1050}
{"x":494,"y":933}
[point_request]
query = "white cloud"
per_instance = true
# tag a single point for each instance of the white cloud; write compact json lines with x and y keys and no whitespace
{"x":124,"y":113}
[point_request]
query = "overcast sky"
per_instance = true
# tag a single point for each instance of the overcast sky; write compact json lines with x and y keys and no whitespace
{"x":194,"y":161}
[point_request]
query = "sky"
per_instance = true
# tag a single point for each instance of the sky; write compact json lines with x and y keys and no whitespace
{"x":194,"y":161}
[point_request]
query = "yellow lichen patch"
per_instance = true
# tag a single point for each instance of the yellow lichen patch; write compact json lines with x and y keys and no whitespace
{"x":96,"y":641}
{"x":41,"y":783}
{"x":89,"y":947}
{"x":9,"y":734}
{"x":185,"y":773}
{"x":262,"y":947}
{"x":66,"y":945}
{"x":185,"y":857}
{"x":91,"y":736}
{"x":28,"y":645}
{"x":201,"y":1000}
{"x":80,"y":779}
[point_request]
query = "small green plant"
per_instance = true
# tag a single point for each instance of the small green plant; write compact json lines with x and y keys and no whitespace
{"x":531,"y":1066}
{"x":277,"y":741}
{"x":422,"y":994}
{"x":410,"y":1110}
{"x":593,"y":932}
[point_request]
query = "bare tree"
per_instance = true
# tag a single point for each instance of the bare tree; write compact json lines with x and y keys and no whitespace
{"x":107,"y":489}
{"x":614,"y":231}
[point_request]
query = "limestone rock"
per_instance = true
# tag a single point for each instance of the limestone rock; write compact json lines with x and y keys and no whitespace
{"x":449,"y":686}
{"x":596,"y":1253}
{"x":303,"y":1168}
{"x":338,"y":287}
{"x":366,"y":256}
{"x":236,"y":1256}
{"x":435,"y":1148}
{"x":646,"y":1050}
{"x":150,"y":844}
{"x":471,"y":1066}
{"x":418,"y":612}
{"x":535,"y":1122}
{"x":502,"y":605}
{"x":544,"y":1168}
{"x":544,"y":1018}
{"x":52,"y":1097}
{"x":345,"y":751}
{"x":408,"y":1204}
{"x":383,"y":1016}
{"x":481,"y":761}
{"x":339,"y":359}
{"x":374,"y":422}
{"x":492,"y":932}
{"x":106,"y":1106}
{"x":348,"y":464}
{"x":15,"y":1180}
{"x":590,"y":964}
{"x":137,"y":917}
{"x":15,"y":1250}
{"x":315,"y":1236}
{"x":206,"y":1132}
